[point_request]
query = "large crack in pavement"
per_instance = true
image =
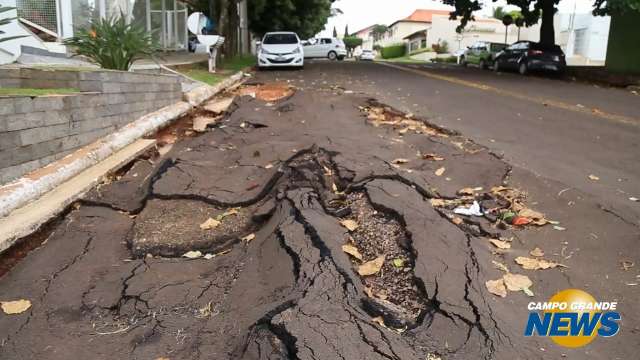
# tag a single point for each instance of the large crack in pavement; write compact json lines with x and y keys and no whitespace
{"x":289,"y":173}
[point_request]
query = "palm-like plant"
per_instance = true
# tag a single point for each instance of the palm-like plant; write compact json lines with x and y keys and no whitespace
{"x":6,"y":21}
{"x":113,"y":43}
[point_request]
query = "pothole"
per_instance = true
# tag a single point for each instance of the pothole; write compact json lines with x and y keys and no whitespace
{"x":270,"y":92}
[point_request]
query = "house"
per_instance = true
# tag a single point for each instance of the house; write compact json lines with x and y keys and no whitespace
{"x":419,"y":20}
{"x":366,"y":35}
{"x":583,"y":38}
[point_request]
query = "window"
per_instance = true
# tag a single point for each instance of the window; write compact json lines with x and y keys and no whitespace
{"x":278,"y":39}
{"x":423,"y":43}
{"x":325,"y":41}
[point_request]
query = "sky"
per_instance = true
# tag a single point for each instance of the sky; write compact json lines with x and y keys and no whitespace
{"x":359,"y":14}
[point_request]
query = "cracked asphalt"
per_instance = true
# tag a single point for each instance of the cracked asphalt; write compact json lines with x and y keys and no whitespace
{"x":110,"y":280}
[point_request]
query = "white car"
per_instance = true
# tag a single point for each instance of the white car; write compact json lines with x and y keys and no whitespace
{"x":331,"y":48}
{"x":278,"y":49}
{"x":367,"y":55}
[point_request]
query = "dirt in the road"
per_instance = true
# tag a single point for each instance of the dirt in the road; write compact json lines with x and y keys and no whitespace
{"x":313,"y":224}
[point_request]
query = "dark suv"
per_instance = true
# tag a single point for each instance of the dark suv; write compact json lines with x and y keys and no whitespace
{"x":527,"y":55}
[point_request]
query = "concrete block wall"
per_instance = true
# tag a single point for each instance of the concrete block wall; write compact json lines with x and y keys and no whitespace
{"x":35,"y":131}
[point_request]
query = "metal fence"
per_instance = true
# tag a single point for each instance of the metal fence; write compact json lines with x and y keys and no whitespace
{"x":39,"y":12}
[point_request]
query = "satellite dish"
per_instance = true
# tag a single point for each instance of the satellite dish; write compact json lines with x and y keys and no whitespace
{"x":195,"y":23}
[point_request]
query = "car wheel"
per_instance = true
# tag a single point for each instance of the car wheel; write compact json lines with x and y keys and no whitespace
{"x":496,"y":66}
{"x":340,"y":58}
{"x":483,"y":65}
{"x":523,"y":68}
{"x":332,"y":55}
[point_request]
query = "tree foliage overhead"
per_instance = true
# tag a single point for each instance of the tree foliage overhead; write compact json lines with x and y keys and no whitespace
{"x":378,"y":31}
{"x":305,"y":17}
{"x":608,"y":7}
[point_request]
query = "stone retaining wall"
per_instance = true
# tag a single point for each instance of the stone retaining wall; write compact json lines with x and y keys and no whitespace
{"x":36,"y":131}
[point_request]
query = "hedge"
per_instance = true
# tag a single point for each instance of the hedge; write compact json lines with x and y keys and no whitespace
{"x":393,"y":51}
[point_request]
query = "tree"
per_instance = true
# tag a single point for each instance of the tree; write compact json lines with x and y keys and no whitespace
{"x":351,"y":42}
{"x":305,"y":17}
{"x":346,"y":30}
{"x":531,"y":10}
{"x":335,"y":33}
{"x":378,"y":31}
{"x":534,"y":10}
{"x":498,"y":12}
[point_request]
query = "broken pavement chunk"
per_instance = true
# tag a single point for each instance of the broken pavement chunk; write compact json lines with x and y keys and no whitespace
{"x":218,"y":106}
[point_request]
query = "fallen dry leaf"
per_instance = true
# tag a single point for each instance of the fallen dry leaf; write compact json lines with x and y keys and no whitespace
{"x":457,"y":220}
{"x":500,"y":266}
{"x":349,"y":224}
{"x":268,"y":166}
{"x":593,"y":177}
{"x":466,"y":191}
{"x":371,"y":267}
{"x":432,"y":157}
{"x":16,"y":306}
{"x":400,"y":161}
{"x":379,"y":320}
{"x":535,"y":264}
{"x":233,"y":211}
{"x":537,"y":252}
{"x":398,"y":262}
{"x":437,"y":202}
{"x":500,"y":244}
{"x":440,"y":171}
{"x":516,"y":282}
{"x":352,"y":250}
{"x":209,"y":224}
{"x":496,"y":287}
{"x":249,"y":237}
{"x":192,"y":254}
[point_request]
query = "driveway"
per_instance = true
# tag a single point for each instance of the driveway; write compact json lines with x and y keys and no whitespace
{"x":320,"y":219}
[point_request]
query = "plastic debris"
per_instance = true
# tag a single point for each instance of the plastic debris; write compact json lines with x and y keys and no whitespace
{"x":473,"y":210}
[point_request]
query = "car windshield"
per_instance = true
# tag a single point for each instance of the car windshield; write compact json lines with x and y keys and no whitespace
{"x":366,"y":51}
{"x":279,"y":39}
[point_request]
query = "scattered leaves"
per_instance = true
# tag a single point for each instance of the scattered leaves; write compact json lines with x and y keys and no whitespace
{"x":626,"y":265}
{"x":500,"y":266}
{"x":593,"y":177}
{"x":351,"y":225}
{"x":535,"y":264}
{"x":440,"y":171}
{"x":520,"y":220}
{"x":192,"y":254}
{"x":537,"y":252}
{"x":536,"y":217}
{"x":15,"y":307}
{"x":352,"y":250}
{"x":268,"y":166}
{"x":496,"y":287}
{"x":437,"y":202}
{"x":249,"y":237}
{"x":456,"y":220}
{"x":209,"y":224}
{"x":371,"y":267}
{"x":467,"y":191}
{"x":517,"y":282}
{"x":500,"y":244}
{"x":559,"y":228}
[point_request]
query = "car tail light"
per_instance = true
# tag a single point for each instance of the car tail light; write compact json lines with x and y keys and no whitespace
{"x":535,"y":52}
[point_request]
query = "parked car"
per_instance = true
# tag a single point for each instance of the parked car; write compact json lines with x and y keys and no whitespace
{"x":367,"y":55}
{"x":280,"y":49}
{"x":525,"y":56}
{"x":331,"y":48}
{"x":481,"y":53}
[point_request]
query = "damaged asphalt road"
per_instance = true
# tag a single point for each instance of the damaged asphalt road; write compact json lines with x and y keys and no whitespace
{"x":288,"y":184}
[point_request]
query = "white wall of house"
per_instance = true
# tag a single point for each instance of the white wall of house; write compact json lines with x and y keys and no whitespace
{"x":398,"y":31}
{"x":11,"y":50}
{"x":583,"y":37}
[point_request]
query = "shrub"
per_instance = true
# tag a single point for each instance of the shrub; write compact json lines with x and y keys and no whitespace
{"x":442,"y":47}
{"x":112,"y":43}
{"x":393,"y":51}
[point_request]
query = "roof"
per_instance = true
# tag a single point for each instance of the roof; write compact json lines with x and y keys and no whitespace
{"x":422,"y":15}
{"x":365,"y":29}
{"x":415,"y":33}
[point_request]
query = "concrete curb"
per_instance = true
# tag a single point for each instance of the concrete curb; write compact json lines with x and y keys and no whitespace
{"x":30,"y":187}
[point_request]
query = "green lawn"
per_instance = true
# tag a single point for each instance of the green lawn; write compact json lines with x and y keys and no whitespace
{"x":36,"y":92}
{"x":201,"y":73}
{"x":404,"y":59}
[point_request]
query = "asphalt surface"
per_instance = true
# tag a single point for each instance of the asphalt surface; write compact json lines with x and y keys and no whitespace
{"x":274,"y":191}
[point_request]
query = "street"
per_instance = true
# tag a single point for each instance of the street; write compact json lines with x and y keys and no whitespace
{"x":328,"y":222}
